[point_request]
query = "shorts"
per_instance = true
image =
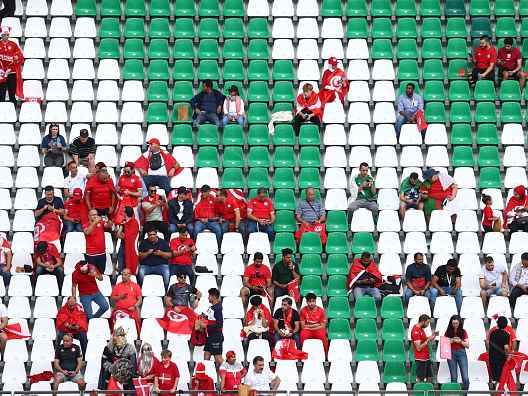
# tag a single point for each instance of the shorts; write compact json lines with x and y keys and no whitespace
{"x":61,"y":377}
{"x":423,"y":370}
{"x":494,"y":291}
{"x":213,"y":344}
{"x":514,"y":76}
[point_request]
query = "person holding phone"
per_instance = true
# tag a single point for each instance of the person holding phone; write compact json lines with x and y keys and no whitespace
{"x":459,"y":342}
{"x":84,"y":278}
{"x":421,"y":341}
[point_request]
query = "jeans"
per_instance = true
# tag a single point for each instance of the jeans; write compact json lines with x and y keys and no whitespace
{"x":365,"y":204}
{"x":58,"y":272}
{"x":241,"y":120}
{"x":242,"y":229}
{"x":99,"y":299}
{"x":159,"y":181}
{"x":447,"y":290}
{"x":459,"y":358}
{"x":253,"y":226}
{"x":400,"y":120}
{"x":213,"y":226}
{"x":408,"y":293}
{"x":174,"y":228}
{"x":203,"y":117}
{"x":185,"y":269}
{"x":70,"y":226}
{"x":162,"y":270}
{"x":54,"y":159}
{"x":81,"y":336}
{"x":6,"y":276}
{"x":367,"y":291}
{"x":8,"y":85}
{"x":514,"y":294}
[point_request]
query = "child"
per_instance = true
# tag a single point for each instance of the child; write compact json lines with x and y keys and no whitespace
{"x":234,"y":108}
{"x":488,"y":217}
{"x":166,"y":382}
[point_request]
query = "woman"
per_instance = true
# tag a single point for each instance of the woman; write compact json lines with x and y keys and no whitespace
{"x":148,"y":365}
{"x":118,"y":361}
{"x":53,"y":146}
{"x":459,"y":342}
{"x":515,"y":212}
{"x":234,"y":108}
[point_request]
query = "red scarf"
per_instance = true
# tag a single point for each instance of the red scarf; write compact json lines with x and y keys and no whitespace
{"x":287,"y":316}
{"x":143,"y":162}
{"x":514,"y":202}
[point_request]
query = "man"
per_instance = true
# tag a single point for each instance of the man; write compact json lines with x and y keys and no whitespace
{"x":53,"y":146}
{"x":156,"y":166}
{"x":509,"y":60}
{"x":180,"y":210}
{"x":75,"y":212}
{"x":493,"y":280}
{"x":484,"y":59}
{"x":83,"y":149}
{"x":75,"y":179}
{"x":71,"y":319}
{"x":49,"y":204}
{"x":447,"y":281}
{"x":313,"y":321}
{"x":8,"y":10}
{"x":215,"y":320}
{"x":261,"y":379}
{"x":261,"y":214}
{"x":127,"y":299}
{"x":84,"y":278}
{"x":48,"y":261}
{"x":128,"y":233}
{"x":366,"y":195}
{"x":439,"y":191}
{"x":6,"y":259}
{"x":68,"y":363}
{"x":408,"y":105}
{"x":311,"y":215}
{"x":207,"y":105}
{"x":499,"y":348}
{"x":100,"y":193}
{"x":256,"y":280}
{"x":12,"y":60}
{"x":94,"y":232}
{"x":420,"y":342}
{"x":228,"y":213}
{"x":364,"y":277}
{"x":519,"y":279}
{"x":410,"y":196}
{"x":334,"y":83}
{"x":154,"y":255}
{"x":287,"y":322}
{"x":231,"y":373}
{"x":183,"y":250}
{"x":202,"y":382}
{"x":418,"y":278}
{"x":308,"y":108}
{"x":155,"y":213}
{"x":284,"y":272}
{"x":182,"y":294}
{"x":205,"y":215}
{"x":508,"y":329}
{"x":129,"y":186}
{"x":168,"y":376}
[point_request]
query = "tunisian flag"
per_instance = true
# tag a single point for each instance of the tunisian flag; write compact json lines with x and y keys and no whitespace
{"x":48,"y":228}
{"x":286,"y":349}
{"x":13,"y":331}
{"x":181,"y":322}
{"x":239,"y":196}
{"x":333,"y":83}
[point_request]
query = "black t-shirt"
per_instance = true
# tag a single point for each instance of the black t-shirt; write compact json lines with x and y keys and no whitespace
{"x":56,"y":203}
{"x":152,"y":260}
{"x":497,"y":340}
{"x":67,"y":357}
{"x":181,"y":294}
{"x":445,"y":279}
{"x":280,"y":317}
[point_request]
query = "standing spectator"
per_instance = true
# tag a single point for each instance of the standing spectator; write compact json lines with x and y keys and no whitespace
{"x":499,"y":348}
{"x":215,"y":321}
{"x":167,"y":377}
{"x":439,"y":191}
{"x":8,"y":9}
{"x":409,"y":104}
{"x":418,"y":278}
{"x":6,"y":259}
{"x":334,"y":82}
{"x":488,"y":216}
{"x":68,"y":363}
{"x":202,"y":382}
{"x":128,"y":233}
{"x":313,"y":321}
{"x":156,"y":166}
{"x":12,"y":61}
{"x":129,"y":186}
{"x":180,"y":210}
{"x":71,"y":319}
{"x":311,"y":215}
{"x":49,"y":204}
{"x":182,"y":294}
{"x":421,"y":341}
{"x":261,"y":214}
{"x":410,"y":196}
{"x":256,"y":280}
{"x":75,"y":179}
{"x":234,"y":108}
{"x":519,"y":279}
{"x":155,"y":213}
{"x":484,"y":59}
{"x":367,"y":194}
{"x":509,"y":60}
{"x":516,"y":209}
{"x":493,"y":280}
{"x":260,"y":378}
{"x":287,"y":322}
{"x":447,"y":281}
{"x":231,"y":373}
{"x":48,"y":261}
{"x":364,"y":277}
{"x":82,"y":149}
{"x":118,"y":360}
{"x":94,"y":233}
{"x":154,"y":255}
{"x":229,"y":213}
{"x":205,"y":215}
{"x":75,"y":212}
{"x":207,"y":105}
{"x":459,"y":342}
{"x":283,"y":272}
{"x":53,"y":146}
{"x":84,"y":278}
{"x":100,"y":193}
{"x":308,"y":108}
{"x":508,"y":329}
{"x":183,"y":249}
{"x":126,"y":296}
{"x":258,"y":322}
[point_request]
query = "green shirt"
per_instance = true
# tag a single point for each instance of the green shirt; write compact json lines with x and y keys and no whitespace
{"x":282,"y":274}
{"x":406,"y":188}
{"x":366,"y":193}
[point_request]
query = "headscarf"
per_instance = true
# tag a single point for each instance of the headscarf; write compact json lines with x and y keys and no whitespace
{"x":146,"y":360}
{"x":517,"y":200}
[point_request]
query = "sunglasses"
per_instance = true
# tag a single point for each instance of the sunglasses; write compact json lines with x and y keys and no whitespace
{"x":152,"y":191}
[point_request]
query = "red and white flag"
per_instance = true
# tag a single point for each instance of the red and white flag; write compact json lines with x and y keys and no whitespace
{"x":286,"y":349}
{"x":178,"y":322}
{"x":142,"y":386}
{"x":113,"y":385}
{"x":48,"y":228}
{"x":13,"y":331}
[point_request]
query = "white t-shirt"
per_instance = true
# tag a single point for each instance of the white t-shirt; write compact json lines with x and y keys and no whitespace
{"x":494,"y":276}
{"x":71,"y":183}
{"x":259,"y":381}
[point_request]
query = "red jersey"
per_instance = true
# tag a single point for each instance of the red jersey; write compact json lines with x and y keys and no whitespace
{"x":132,"y":291}
{"x":130,"y":183}
{"x":258,"y":276}
{"x":95,"y":242}
{"x":205,"y":209}
{"x":67,"y":316}
{"x":177,"y":244}
{"x":9,"y":50}
{"x":509,"y":58}
{"x":86,"y":283}
{"x":233,"y":374}
{"x":167,"y":377}
{"x":226,"y":209}
{"x":483,"y":57}
{"x":418,"y":334}
{"x":455,"y":346}
{"x":100,"y":192}
{"x":313,"y":316}
{"x":50,"y":255}
{"x":261,"y":209}
{"x":487,"y":217}
{"x":77,"y":210}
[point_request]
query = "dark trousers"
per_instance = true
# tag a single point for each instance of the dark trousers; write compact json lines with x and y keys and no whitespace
{"x":161,"y":226}
{"x":8,"y":10}
{"x":514,"y":294}
{"x":475,"y":75}
{"x":298,"y":120}
{"x":58,"y":272}
{"x":54,"y":159}
{"x":8,"y":85}
{"x":496,"y":368}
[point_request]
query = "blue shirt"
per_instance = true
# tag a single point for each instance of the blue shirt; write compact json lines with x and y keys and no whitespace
{"x":310,"y":211}
{"x":153,"y":260}
{"x":50,"y":143}
{"x":410,"y":105}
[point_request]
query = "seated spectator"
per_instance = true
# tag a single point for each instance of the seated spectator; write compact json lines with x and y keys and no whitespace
{"x":493,"y":280}
{"x":49,"y":204}
{"x":256,"y":280}
{"x":207,"y":105}
{"x":519,"y":279}
{"x":231,"y":373}
{"x":100,"y":193}
{"x":154,"y":255}
{"x":48,"y":261}
{"x":118,"y":360}
{"x":311,"y":215}
{"x":489,"y":219}
{"x":129,"y":186}
{"x":183,"y":250}
{"x":259,"y":378}
{"x":72,"y":320}
{"x":258,"y":323}
{"x":180,"y":210}
{"x":94,"y":233}
{"x":205,"y":215}
{"x":7,"y":11}
{"x":261,"y":214}
{"x":148,"y":364}
{"x":234,"y":108}
{"x":75,"y":212}
{"x":75,"y":179}
{"x":409,"y":104}
{"x":313,"y":321}
{"x":83,"y":149}
{"x":284,"y":272}
{"x":202,"y":382}
{"x":6,"y":259}
{"x":167,"y":377}
{"x":84,"y":278}
{"x":128,"y":233}
{"x":229,"y":213}
{"x":484,"y":59}
{"x":68,"y":363}
{"x":156,"y":166}
{"x":418,"y":278}
{"x":154,"y":211}
{"x":126,"y":296}
{"x":447,"y":282}
{"x":182,"y":294}
{"x":308,"y":108}
{"x":410,"y":196}
{"x":53,"y":146}
{"x":509,"y":60}
{"x":439,"y":191}
{"x":367,"y":193}
{"x":286,"y":322}
{"x":364,"y":277}
{"x":516,"y":210}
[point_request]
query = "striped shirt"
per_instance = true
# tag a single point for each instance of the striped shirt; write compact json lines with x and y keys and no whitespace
{"x":82,"y":149}
{"x":310,"y":211}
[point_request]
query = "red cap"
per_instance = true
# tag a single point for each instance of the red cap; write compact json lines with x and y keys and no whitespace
{"x":332,"y":61}
{"x":77,"y":193}
{"x":154,"y":141}
{"x":200,"y":368}
{"x":230,"y":354}
{"x":130,"y":164}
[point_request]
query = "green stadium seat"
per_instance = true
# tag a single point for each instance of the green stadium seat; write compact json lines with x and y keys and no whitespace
{"x":109,"y":28}
{"x":490,"y":178}
{"x":392,"y":308}
{"x":480,"y":27}
{"x":233,"y":135}
{"x":183,"y":49}
{"x":284,"y":157}
{"x":356,"y":8}
{"x":258,"y":49}
{"x":365,"y":307}
{"x":184,"y":28}
{"x":405,"y":8}
{"x":432,"y":49}
{"x":233,"y":178}
{"x":461,"y":134}
{"x":159,"y":49}
{"x":504,"y":8}
{"x":311,"y":264}
{"x":337,"y":264}
{"x":460,"y":112}
{"x":233,"y":49}
{"x":207,"y":157}
{"x":337,"y":286}
{"x":488,"y":156}
{"x":523,"y":7}
{"x":310,"y":242}
{"x":135,"y":8}
{"x":456,"y":28}
{"x":523,"y":30}
{"x":339,"y":329}
{"x":407,"y":49}
{"x":456,"y":48}
{"x":183,"y":69}
{"x":459,"y":91}
{"x":284,"y":199}
{"x":337,"y":243}
{"x":259,"y":157}
{"x":133,"y":70}
{"x":380,"y":8}
{"x":454,"y":8}
{"x":524,"y":48}
{"x":158,"y":91}
{"x":258,"y":91}
{"x":511,"y":113}
{"x":311,"y":284}
{"x":510,"y":91}
{"x":182,"y":135}
{"x":258,"y":28}
{"x":234,"y":8}
{"x":85,"y":8}
{"x":487,"y":135}
{"x":357,"y":28}
{"x":479,"y":8}
{"x":434,"y":91}
{"x":207,"y":135}
{"x":433,"y":69}
{"x":159,"y":28}
{"x":258,"y":70}
{"x":258,"y":135}
{"x":309,"y":177}
{"x":505,"y":27}
{"x":134,"y":28}
{"x":283,"y":92}
{"x":285,"y":240}
{"x":485,"y":112}
{"x":430,"y":8}
{"x":435,"y":113}
{"x":382,"y":28}
{"x":233,"y":70}
{"x":209,"y":8}
{"x":285,"y":222}
{"x":485,"y":91}
{"x":338,"y":307}
{"x":258,"y":178}
{"x":159,"y":8}
{"x":408,"y":70}
{"x":284,"y":178}
{"x":208,"y":49}
{"x":381,"y":49}
{"x":284,"y":135}
{"x":309,"y":157}
{"x":366,"y":329}
{"x":457,"y":69}
{"x":451,"y":389}
{"x":309,"y":135}
{"x":234,"y":28}
{"x":283,"y":70}
{"x":110,"y":8}
{"x":431,"y":28}
{"x":258,"y":113}
{"x":157,"y":113}
{"x":395,"y":372}
{"x":363,"y":242}
{"x":367,"y":350}
{"x":208,"y":28}
{"x":208,"y":69}
{"x":463,"y":157}
{"x":393,"y":351}
{"x":393,"y":329}
{"x":181,"y":113}
{"x":233,"y":157}
{"x":336,"y":221}
{"x":423,"y":389}
{"x":331,"y":8}
{"x":109,"y":48}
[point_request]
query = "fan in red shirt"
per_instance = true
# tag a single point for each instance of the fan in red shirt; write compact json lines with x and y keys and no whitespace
{"x":420,"y":342}
{"x":183,"y":249}
{"x":128,"y":233}
{"x":509,"y":60}
{"x":71,"y":319}
{"x":84,"y":277}
{"x":94,"y":232}
{"x":100,"y":193}
{"x":261,"y":214}
{"x":12,"y":60}
{"x":126,"y":296}
{"x":313,"y":321}
{"x":148,"y":364}
{"x":129,"y":186}
{"x":308,"y":108}
{"x":201,"y":381}
{"x":168,"y":375}
{"x":256,"y":280}
{"x":75,"y":212}
{"x":205,"y":214}
{"x":48,"y":261}
{"x":488,"y":217}
{"x":231,"y":373}
{"x":484,"y":59}
{"x":228,"y":212}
